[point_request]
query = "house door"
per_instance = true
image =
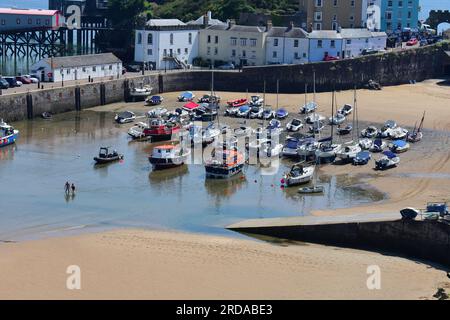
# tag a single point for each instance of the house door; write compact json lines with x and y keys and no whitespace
{"x":43,"y":76}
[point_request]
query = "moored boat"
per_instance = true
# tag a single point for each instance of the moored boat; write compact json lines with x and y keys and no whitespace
{"x":378,"y":145}
{"x":387,"y":161}
{"x":125,"y":117}
{"x":138,"y":131}
{"x":362,"y":158}
{"x":294,"y":125}
{"x":161,"y":130}
{"x":106,"y":155}
{"x":369,"y":132}
{"x":168,"y":156}
{"x":312,"y":190}
{"x":224,"y":164}
{"x":417,"y":134}
{"x":399,"y":146}
{"x":298,"y":174}
{"x":8,"y":135}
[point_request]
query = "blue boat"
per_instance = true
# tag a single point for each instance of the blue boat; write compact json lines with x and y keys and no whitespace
{"x":399,"y":146}
{"x":282,"y":113}
{"x":362,"y":158}
{"x":8,"y":135}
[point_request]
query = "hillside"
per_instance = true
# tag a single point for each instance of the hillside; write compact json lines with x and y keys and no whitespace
{"x":222,"y":9}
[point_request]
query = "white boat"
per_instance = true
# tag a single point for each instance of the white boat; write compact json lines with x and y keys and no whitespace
{"x":292,"y":144}
{"x":269,"y":149}
{"x":157,"y":113}
{"x":140,"y":93}
{"x":243,"y":131}
{"x":294,"y":125}
{"x":316,"y":127}
{"x":308,"y":149}
{"x":314,"y":118}
{"x":167,"y":156}
{"x":299,"y":174}
{"x":365,"y":143}
{"x":348,"y":151}
{"x":399,"y":146}
{"x":369,"y":132}
{"x":326,"y":152}
{"x":345,"y":110}
{"x":308,"y":107}
{"x":137,"y":131}
{"x":256,"y":101}
{"x":125,"y":117}
{"x":339,"y":118}
{"x":311,"y":190}
{"x":398,"y":133}
{"x":388,"y":160}
{"x":378,"y":145}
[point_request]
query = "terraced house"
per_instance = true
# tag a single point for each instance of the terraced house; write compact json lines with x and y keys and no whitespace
{"x":241,"y":45}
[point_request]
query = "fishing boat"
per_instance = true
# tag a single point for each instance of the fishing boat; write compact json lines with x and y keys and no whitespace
{"x":140,"y":94}
{"x":8,"y":135}
{"x":345,"y":110}
{"x":298,"y":174}
{"x":161,"y":130}
{"x":256,"y":101}
{"x":154,"y":100}
{"x":314,"y":118}
{"x":168,"y":156}
{"x":224,"y":164}
{"x":138,"y":131}
{"x":46,"y":115}
{"x":237,"y":102}
{"x":157,"y":113}
{"x":369,"y":132}
{"x":338,"y":119}
{"x":186,"y":96}
{"x":342,"y":131}
{"x":440,"y":207}
{"x":417,"y":134}
{"x":312,"y":190}
{"x":399,"y":146}
{"x":378,"y":145}
{"x":387,"y":161}
{"x":398,"y":133}
{"x":281,"y":114}
{"x":365,"y":143}
{"x":125,"y":117}
{"x":362,"y":158}
{"x":291,"y":146}
{"x":107,"y":155}
{"x":294,"y":125}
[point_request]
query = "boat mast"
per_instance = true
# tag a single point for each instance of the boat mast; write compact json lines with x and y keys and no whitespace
{"x":306,"y":94}
{"x":421,"y":122}
{"x":354,"y":114}
{"x":278,"y":91}
{"x":332,"y":112}
{"x":314,"y":87}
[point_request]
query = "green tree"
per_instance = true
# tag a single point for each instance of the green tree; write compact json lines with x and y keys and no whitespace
{"x":124,"y":14}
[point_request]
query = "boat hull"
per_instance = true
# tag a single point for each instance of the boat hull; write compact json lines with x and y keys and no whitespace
{"x":164,"y":163}
{"x":99,"y":160}
{"x":7,"y":140}
{"x":219,"y":172}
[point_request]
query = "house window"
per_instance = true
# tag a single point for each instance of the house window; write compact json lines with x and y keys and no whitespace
{"x":334,"y":26}
{"x":165,"y":53}
{"x":244,"y":53}
{"x":216,"y":39}
{"x":208,"y":51}
{"x":186,"y":51}
{"x":296,"y":56}
{"x":335,"y":17}
{"x":296,"y":43}
{"x":171,"y":38}
{"x":253,"y":42}
{"x":84,"y":69}
{"x":352,"y":18}
{"x":68,"y":71}
{"x":409,"y":14}
{"x":178,"y":51}
{"x":318,"y":16}
{"x":139,"y":38}
{"x":390,"y":3}
{"x":319,"y":43}
{"x":349,"y":41}
{"x":318,"y":26}
{"x":149,"y":52}
{"x":209,"y":39}
{"x":352,"y":3}
{"x":304,"y":54}
{"x":216,"y":51}
{"x":243,"y":42}
{"x":274,"y":54}
{"x":190,"y":38}
{"x":388,"y":15}
{"x":233,"y":41}
{"x":333,"y":44}
{"x":318,"y":3}
{"x":400,"y":4}
{"x":3,"y":22}
{"x":150,"y":38}
{"x":47,"y":22}
{"x":335,"y":3}
{"x":94,"y":69}
{"x":233,"y":52}
{"x":275,"y":42}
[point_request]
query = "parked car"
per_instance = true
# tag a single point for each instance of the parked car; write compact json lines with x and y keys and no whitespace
{"x":32,"y":78}
{"x":4,"y":84}
{"x":330,"y":58}
{"x":412,"y":42}
{"x":23,"y":79}
{"x":226,"y":66}
{"x":133,"y":68}
{"x":13,"y":82}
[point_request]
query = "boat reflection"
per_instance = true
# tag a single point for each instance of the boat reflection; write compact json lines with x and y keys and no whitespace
{"x":159,"y":176}
{"x":225,"y":188}
{"x":7,"y":152}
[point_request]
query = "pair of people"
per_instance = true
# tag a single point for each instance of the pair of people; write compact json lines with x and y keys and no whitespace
{"x":68,"y":187}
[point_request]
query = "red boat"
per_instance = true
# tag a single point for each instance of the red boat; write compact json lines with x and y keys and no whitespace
{"x":161,"y":130}
{"x":237,"y":102}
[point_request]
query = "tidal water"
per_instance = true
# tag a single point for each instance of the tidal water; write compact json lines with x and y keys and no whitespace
{"x":129,"y":193}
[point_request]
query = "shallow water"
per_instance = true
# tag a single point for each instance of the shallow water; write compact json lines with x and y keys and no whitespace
{"x":129,"y":193}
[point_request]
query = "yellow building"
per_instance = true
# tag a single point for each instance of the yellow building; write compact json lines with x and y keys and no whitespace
{"x":231,"y":43}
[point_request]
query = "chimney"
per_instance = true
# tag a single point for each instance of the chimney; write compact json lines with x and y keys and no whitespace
{"x":209,"y":15}
{"x":292,"y":24}
{"x":231,"y":23}
{"x":269,"y":25}
{"x":206,"y":20}
{"x":310,"y":28}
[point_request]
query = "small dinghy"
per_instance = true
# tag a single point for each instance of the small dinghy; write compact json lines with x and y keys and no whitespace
{"x":311,"y":190}
{"x":346,"y":109}
{"x":316,"y":127}
{"x":399,"y":146}
{"x":157,"y":113}
{"x":299,"y":174}
{"x":348,"y":151}
{"x":365,"y":143}
{"x":125,"y":117}
{"x":398,"y":133}
{"x":309,"y":107}
{"x":378,"y":145}
{"x":281,"y":114}
{"x":186,"y":96}
{"x":138,"y":131}
{"x":339,"y":118}
{"x":154,"y":101}
{"x":314,"y":118}
{"x":47,"y":115}
{"x":294,"y":125}
{"x":369,"y":132}
{"x":107,"y":155}
{"x":243,"y":131}
{"x":409,"y":213}
{"x":362,"y":158}
{"x":342,"y":131}
{"x":387,"y":161}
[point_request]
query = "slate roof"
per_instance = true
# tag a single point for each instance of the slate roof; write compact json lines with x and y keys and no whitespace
{"x":83,"y":60}
{"x":164,"y":23}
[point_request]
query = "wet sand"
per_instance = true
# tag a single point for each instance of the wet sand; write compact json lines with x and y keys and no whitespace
{"x":136,"y":264}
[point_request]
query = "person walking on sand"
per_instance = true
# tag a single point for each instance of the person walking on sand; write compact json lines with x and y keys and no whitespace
{"x":67,"y":187}
{"x":73,"y":188}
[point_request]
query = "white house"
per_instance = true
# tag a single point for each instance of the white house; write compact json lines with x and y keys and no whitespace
{"x":77,"y":67}
{"x":324,"y":43}
{"x":287,"y":45}
{"x":207,"y":20}
{"x":357,"y":40}
{"x":166,"y":44}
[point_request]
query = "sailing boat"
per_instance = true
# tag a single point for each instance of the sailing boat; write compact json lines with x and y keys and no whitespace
{"x":310,"y":106}
{"x":349,"y":150}
{"x":326,"y":152}
{"x":417,"y":134}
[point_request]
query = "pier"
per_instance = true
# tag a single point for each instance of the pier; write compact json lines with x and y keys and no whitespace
{"x":383,"y":232}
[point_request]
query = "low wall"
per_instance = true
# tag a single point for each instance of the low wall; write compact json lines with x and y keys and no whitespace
{"x":389,"y":69}
{"x":420,"y":239}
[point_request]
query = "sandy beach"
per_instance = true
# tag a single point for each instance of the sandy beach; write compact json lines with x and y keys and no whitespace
{"x":144,"y":264}
{"x":137,"y":264}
